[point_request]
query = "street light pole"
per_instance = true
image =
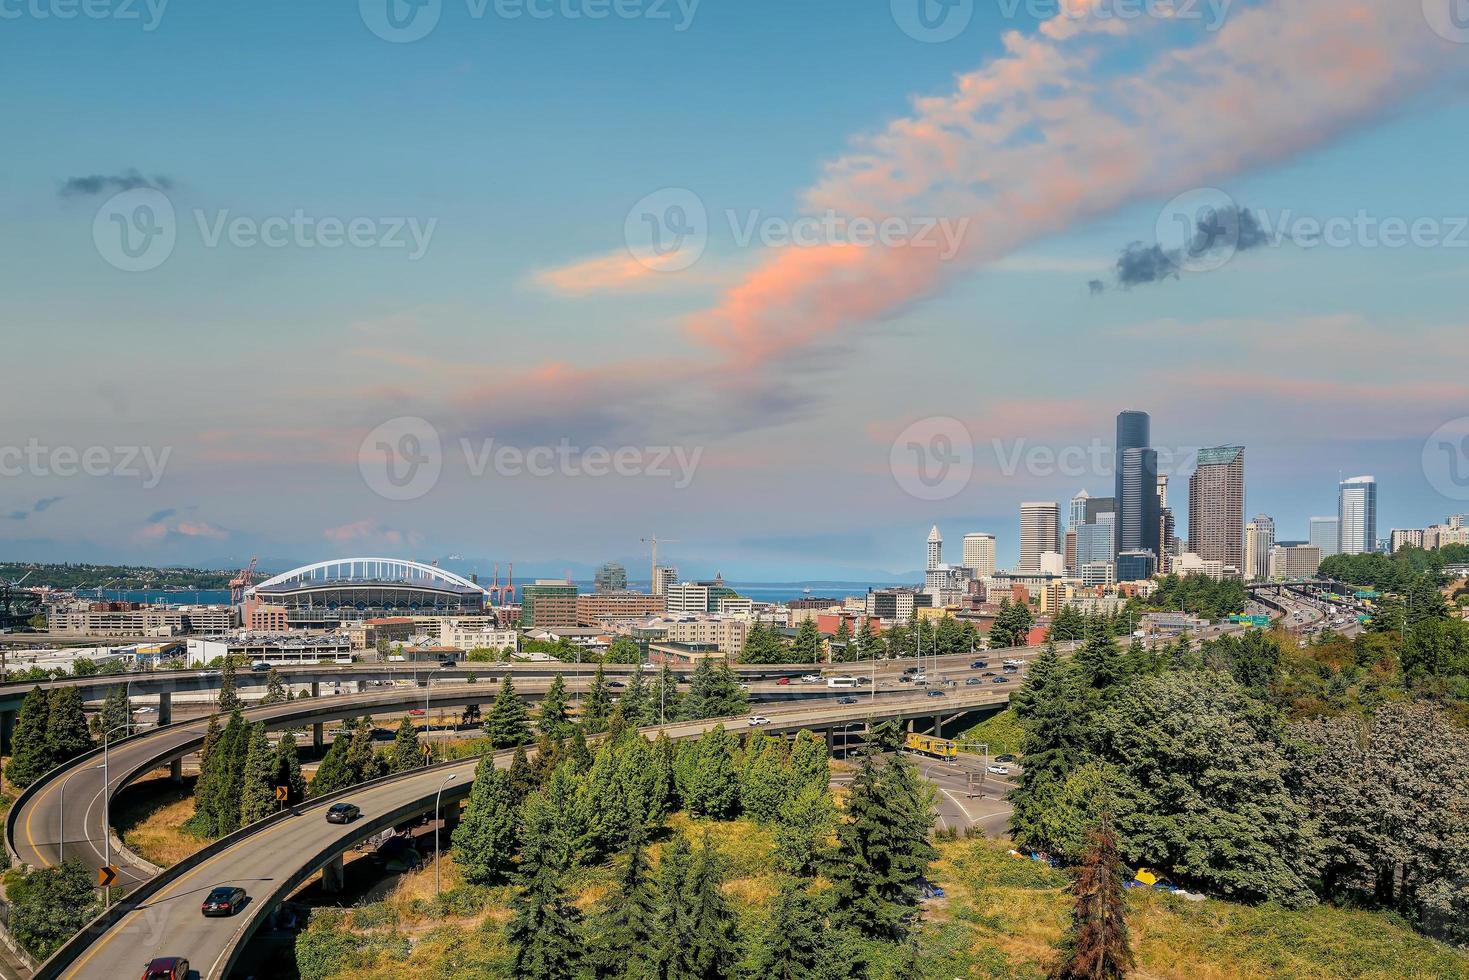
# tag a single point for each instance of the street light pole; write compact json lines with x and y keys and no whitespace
{"x":439,"y":830}
{"x":61,"y":819}
{"x":107,"y":813}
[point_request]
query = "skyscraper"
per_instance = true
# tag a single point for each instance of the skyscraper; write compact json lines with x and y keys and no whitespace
{"x":935,"y":548}
{"x":1136,"y":483}
{"x":1216,"y":506}
{"x":1259,"y":541}
{"x":1079,"y":504}
{"x":611,"y":577}
{"x":1326,"y":535}
{"x":1095,"y":542}
{"x":1357,"y":514}
{"x":1040,"y":524}
{"x":979,"y":554}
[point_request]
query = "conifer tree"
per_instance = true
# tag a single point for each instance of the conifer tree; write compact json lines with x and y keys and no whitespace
{"x":598,"y":704}
{"x":708,"y":784}
{"x":206,"y":787}
{"x":257,"y":792}
{"x":544,"y":932}
{"x":523,"y":780}
{"x":507,"y":724}
{"x":229,"y":700}
{"x":551,"y":718}
{"x":333,"y":773}
{"x":795,"y":944}
{"x":406,"y":753}
{"x":810,"y":762}
{"x":234,"y":745}
{"x":485,"y":840}
{"x":66,"y":726}
{"x":666,"y":701}
{"x":115,"y":715}
{"x":1096,"y":946}
{"x":674,"y":915}
{"x":30,"y":758}
{"x":275,"y":688}
{"x":636,"y":702}
{"x":806,"y":649}
{"x":708,"y":950}
{"x":288,"y":769}
{"x":841,"y":643}
{"x":627,"y":923}
{"x":802,"y":831}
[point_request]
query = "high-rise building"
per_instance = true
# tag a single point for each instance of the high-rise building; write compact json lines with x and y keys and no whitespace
{"x":611,"y":577}
{"x":1136,"y":484}
{"x":979,"y":554}
{"x":1216,"y":506}
{"x":1259,"y":540}
{"x":1096,"y":542}
{"x":1097,"y":506}
{"x":935,"y":549}
{"x":548,"y":603}
{"x":1357,"y":512}
{"x":1326,"y":535}
{"x":1079,"y":505}
{"x":1040,"y":524}
{"x":1294,"y":561}
{"x":1405,"y":538}
{"x":1135,"y":566}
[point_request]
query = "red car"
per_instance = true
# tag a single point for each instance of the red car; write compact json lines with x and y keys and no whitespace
{"x":417,"y":712}
{"x":167,"y":968}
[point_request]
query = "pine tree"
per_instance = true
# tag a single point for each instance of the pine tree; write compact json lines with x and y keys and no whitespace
{"x":333,"y":773}
{"x":870,"y":645}
{"x":675,"y":923}
{"x":627,"y":923}
{"x":552,"y":719}
{"x":485,"y":840}
{"x":362,"y":762}
{"x":841,"y":643}
{"x":115,"y":715}
{"x":707,"y":783}
{"x":806,"y":649}
{"x":275,"y":688}
{"x":257,"y":792}
{"x":523,"y":779}
{"x":708,"y":950}
{"x":1096,"y":947}
{"x":714,"y":692}
{"x":228,"y":699}
{"x":598,"y":704}
{"x":66,"y":726}
{"x":578,"y":754}
{"x":288,"y":769}
{"x":507,"y":724}
{"x":636,"y":702}
{"x":234,"y":746}
{"x":206,"y":788}
{"x":795,"y":944}
{"x":544,"y":931}
{"x":406,"y":753}
{"x":30,"y":756}
{"x":1050,"y":708}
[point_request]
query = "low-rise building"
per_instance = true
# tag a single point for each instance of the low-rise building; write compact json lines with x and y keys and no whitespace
{"x":609,"y":609}
{"x":280,"y":649}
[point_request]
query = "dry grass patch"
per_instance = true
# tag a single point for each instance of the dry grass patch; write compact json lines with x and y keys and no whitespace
{"x":150,"y":814}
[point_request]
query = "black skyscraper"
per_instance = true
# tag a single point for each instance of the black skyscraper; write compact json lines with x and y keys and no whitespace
{"x":1136,"y":485}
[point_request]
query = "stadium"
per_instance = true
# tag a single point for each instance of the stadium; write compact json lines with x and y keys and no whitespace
{"x":326,"y":594}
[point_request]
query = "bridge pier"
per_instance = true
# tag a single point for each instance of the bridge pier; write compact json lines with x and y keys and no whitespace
{"x":333,"y":878}
{"x":7,"y":729}
{"x":318,"y":736}
{"x":165,"y":708}
{"x":361,"y":686}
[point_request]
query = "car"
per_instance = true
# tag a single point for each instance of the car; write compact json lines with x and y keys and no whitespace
{"x":912,"y":670}
{"x":417,"y":712}
{"x":906,"y":679}
{"x":343,"y":813}
{"x":935,"y":693}
{"x":1012,"y":670}
{"x":920,"y":678}
{"x":223,"y":900}
{"x":1007,"y":757}
{"x":783,"y":681}
{"x":260,"y":666}
{"x":979,"y":665}
{"x":446,"y":662}
{"x":758,"y":720}
{"x":999,"y":770}
{"x":1000,"y":680}
{"x":847,"y":700}
{"x":988,"y":673}
{"x":146,"y":709}
{"x":1012,"y":663}
{"x":744,"y":685}
{"x":973,"y":680}
{"x":810,"y":679}
{"x":166,"y":968}
{"x":616,"y":684}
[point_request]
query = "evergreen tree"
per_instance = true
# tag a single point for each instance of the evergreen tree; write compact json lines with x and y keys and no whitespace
{"x":275,"y":688}
{"x":507,"y":724}
{"x":810,"y":764}
{"x":544,"y":931}
{"x":523,"y":779}
{"x":870,"y":645}
{"x":714,"y":692}
{"x":407,"y":752}
{"x":666,"y":703}
{"x":624,"y":650}
{"x":115,"y":713}
{"x":802,"y":831}
{"x":763,"y":645}
{"x":66,"y":726}
{"x":552,"y":719}
{"x":1050,"y":708}
{"x":675,"y":922}
{"x":765,"y":778}
{"x":229,"y":700}
{"x":636,"y":702}
{"x":627,"y":923}
{"x":206,"y":788}
{"x":1096,"y":946}
{"x":707,"y":782}
{"x":807,"y":646}
{"x":1099,"y":662}
{"x":485,"y":840}
{"x":30,"y":758}
{"x":578,"y":754}
{"x":795,"y":944}
{"x":708,"y":951}
{"x":598,"y":703}
{"x":234,"y":746}
{"x":362,"y":762}
{"x":288,"y":769}
{"x":257,"y":792}
{"x":664,"y":777}
{"x":333,"y":773}
{"x":841,"y":643}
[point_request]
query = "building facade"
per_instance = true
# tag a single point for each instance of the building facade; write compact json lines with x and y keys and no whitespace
{"x":979,"y":554}
{"x":1040,"y":524}
{"x":1357,"y":514}
{"x":1216,"y":506}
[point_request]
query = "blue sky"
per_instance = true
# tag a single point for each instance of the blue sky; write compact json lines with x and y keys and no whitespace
{"x":518,"y":147}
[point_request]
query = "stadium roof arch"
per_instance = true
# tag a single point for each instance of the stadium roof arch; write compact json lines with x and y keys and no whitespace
{"x":368,"y":571}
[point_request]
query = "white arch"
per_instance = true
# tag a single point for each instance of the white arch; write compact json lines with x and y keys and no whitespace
{"x":370,"y":569}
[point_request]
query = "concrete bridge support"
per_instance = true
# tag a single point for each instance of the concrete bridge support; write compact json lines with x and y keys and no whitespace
{"x":333,"y":876}
{"x":318,"y":730}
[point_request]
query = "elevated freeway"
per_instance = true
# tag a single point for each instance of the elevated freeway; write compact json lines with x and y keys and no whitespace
{"x":272,"y":858}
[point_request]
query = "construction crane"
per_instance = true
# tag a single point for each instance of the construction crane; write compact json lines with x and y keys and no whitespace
{"x":653,"y":577}
{"x":242,"y":581}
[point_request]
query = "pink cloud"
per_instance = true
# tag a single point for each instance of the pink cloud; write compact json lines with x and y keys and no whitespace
{"x":369,"y":529}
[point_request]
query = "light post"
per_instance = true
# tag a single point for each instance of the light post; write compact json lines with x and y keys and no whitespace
{"x":61,"y":817}
{"x":107,"y":812}
{"x":439,"y":830}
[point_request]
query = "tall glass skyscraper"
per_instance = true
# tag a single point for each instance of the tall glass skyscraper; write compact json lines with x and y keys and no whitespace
{"x":1136,"y":485}
{"x":1326,"y":535}
{"x":1357,"y":512}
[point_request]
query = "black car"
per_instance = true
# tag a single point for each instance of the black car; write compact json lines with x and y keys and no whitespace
{"x":935,"y":694}
{"x":974,"y":680}
{"x":1000,"y":680}
{"x":979,"y":665}
{"x":343,"y":813}
{"x":616,"y":684}
{"x":1006,"y":758}
{"x":223,"y":900}
{"x":847,"y":700}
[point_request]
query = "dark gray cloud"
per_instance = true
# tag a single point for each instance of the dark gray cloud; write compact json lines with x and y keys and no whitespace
{"x":161,"y":515}
{"x":1218,"y":232}
{"x":112,"y":184}
{"x":44,"y":504}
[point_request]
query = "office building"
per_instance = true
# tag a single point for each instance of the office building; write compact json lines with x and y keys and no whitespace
{"x":610,"y":608}
{"x":548,"y":603}
{"x":663,"y":577}
{"x":1405,"y":538}
{"x":1294,"y":561}
{"x":895,"y":605}
{"x":1357,"y":514}
{"x":1135,"y":566}
{"x":1096,"y":542}
{"x":979,"y":554}
{"x":1136,"y":481}
{"x":1326,"y":535}
{"x":611,"y":577}
{"x":1191,"y":563}
{"x":1216,"y":506}
{"x":1259,"y":540}
{"x":1040,"y":526}
{"x":1079,"y":505}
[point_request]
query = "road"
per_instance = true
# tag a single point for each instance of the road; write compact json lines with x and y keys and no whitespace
{"x":276,"y":857}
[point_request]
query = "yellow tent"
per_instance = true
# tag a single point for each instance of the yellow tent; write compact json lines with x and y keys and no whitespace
{"x":1147,"y":877}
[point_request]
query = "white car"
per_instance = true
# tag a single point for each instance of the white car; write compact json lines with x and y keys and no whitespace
{"x":810,"y":679}
{"x":145,"y":710}
{"x":999,"y":770}
{"x":758,"y":720}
